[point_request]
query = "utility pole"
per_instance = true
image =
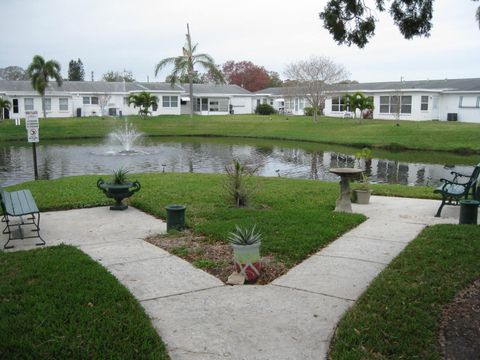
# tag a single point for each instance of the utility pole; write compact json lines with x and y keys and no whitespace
{"x":92,"y":77}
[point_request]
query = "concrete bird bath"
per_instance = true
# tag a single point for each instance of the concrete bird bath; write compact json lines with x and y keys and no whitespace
{"x":346,"y":174}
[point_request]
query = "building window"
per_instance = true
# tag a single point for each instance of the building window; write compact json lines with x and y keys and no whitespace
{"x":86,"y":100}
{"x":271,"y":102}
{"x":28,"y":104}
{"x":48,"y":104}
{"x":469,"y":102}
{"x":395,"y":104}
{"x":154,"y":107}
{"x":384,"y":104}
{"x":424,"y":103}
{"x":406,"y":106}
{"x":125,"y":101}
{"x":201,"y":104}
{"x":170,"y":101}
{"x":15,"y":106}
{"x":218,"y":105}
{"x":338,"y":103}
{"x":63,"y":104}
{"x":94,"y":100}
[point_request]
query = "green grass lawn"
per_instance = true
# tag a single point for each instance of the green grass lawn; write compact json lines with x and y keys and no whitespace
{"x":425,"y":135}
{"x":398,"y":316}
{"x":57,"y":303}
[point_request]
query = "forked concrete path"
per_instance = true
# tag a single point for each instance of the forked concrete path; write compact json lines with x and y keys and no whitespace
{"x":199,"y":317}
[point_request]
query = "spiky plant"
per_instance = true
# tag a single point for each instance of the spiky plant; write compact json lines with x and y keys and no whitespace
{"x":120,"y":177}
{"x":238,"y":190}
{"x":244,"y":236}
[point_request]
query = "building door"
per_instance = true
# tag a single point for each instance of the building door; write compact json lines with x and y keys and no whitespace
{"x":15,"y":106}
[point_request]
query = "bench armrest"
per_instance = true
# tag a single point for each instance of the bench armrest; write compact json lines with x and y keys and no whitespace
{"x":452,"y":182}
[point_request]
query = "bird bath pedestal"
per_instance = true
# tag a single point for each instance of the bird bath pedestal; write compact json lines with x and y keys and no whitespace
{"x":346,"y":174}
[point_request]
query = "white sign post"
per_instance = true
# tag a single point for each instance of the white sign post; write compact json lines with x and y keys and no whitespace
{"x":32,"y":124}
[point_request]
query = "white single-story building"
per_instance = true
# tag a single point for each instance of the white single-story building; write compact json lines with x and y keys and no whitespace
{"x":449,"y":99}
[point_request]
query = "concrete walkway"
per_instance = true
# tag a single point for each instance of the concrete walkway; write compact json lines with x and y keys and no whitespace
{"x":199,"y":317}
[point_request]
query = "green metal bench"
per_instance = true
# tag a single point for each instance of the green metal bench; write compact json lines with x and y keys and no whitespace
{"x":454,"y":190}
{"x":19,"y":204}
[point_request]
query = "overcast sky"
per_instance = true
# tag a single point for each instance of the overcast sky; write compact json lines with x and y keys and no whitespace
{"x":135,"y":35}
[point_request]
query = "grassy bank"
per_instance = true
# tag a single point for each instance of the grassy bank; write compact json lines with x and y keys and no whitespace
{"x":398,"y":316}
{"x":443,"y":136}
{"x":57,"y":303}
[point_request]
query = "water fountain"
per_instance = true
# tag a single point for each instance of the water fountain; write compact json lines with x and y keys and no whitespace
{"x":126,"y":136}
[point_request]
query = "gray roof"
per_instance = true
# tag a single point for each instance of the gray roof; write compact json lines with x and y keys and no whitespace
{"x":441,"y":85}
{"x":445,"y":85}
{"x":89,"y":86}
{"x":217,"y":89}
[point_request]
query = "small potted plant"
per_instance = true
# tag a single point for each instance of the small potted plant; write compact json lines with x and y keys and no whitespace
{"x":363,"y":191}
{"x":246,"y":251}
{"x":118,"y":188}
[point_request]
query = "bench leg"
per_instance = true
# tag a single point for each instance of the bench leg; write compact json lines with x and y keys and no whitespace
{"x":439,"y":211}
{"x":37,"y":229}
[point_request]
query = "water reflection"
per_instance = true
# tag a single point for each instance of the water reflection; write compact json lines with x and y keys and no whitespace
{"x":57,"y":160}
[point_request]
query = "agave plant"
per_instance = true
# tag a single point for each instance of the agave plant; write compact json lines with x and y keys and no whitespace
{"x":244,"y":236}
{"x":120,"y":176}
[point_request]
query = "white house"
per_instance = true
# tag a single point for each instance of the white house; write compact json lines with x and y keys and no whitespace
{"x":449,"y":99}
{"x":85,"y":98}
{"x":210,"y":99}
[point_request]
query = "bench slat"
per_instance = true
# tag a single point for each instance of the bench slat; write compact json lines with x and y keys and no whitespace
{"x":19,"y":203}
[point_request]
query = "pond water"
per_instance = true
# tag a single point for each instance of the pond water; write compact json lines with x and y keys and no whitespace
{"x":210,"y":155}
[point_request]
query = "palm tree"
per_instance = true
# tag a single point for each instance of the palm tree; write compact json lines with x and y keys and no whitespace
{"x":4,"y":104}
{"x":358,"y":101}
{"x":144,"y":100}
{"x":184,"y":65}
{"x":40,"y":72}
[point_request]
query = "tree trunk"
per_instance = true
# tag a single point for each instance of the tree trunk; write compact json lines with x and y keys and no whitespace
{"x":191,"y":94}
{"x":43,"y":107}
{"x":315,"y":114}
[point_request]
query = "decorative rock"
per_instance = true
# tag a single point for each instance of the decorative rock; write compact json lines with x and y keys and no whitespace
{"x":236,"y":279}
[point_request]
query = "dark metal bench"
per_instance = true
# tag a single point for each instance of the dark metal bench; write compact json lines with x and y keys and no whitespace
{"x":19,"y":204}
{"x":454,"y":190}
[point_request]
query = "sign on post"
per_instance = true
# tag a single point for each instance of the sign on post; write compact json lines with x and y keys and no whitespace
{"x":32,"y":125}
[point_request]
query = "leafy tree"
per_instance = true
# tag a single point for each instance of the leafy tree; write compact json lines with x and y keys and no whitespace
{"x":246,"y":74}
{"x":352,"y":21}
{"x":40,"y":73}
{"x":143,"y":100}
{"x":76,"y":71}
{"x":197,"y":78}
{"x":117,"y":76}
{"x":184,"y":65}
{"x":358,"y":101}
{"x":275,"y":80}
{"x":4,"y":104}
{"x":13,"y":73}
{"x":312,"y":77}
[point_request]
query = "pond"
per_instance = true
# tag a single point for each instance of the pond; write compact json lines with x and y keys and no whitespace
{"x":210,"y":155}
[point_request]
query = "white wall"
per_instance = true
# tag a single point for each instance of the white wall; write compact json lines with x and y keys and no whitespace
{"x":449,"y":103}
{"x":241,"y":104}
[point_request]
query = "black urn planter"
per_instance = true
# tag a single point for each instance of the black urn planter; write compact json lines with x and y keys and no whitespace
{"x":118,"y":192}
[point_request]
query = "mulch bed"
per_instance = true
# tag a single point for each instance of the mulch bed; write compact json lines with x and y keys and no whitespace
{"x":460,"y":326}
{"x":216,"y":258}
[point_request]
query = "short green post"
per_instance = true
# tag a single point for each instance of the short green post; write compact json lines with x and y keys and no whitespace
{"x":469,"y":211}
{"x":175,"y":217}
